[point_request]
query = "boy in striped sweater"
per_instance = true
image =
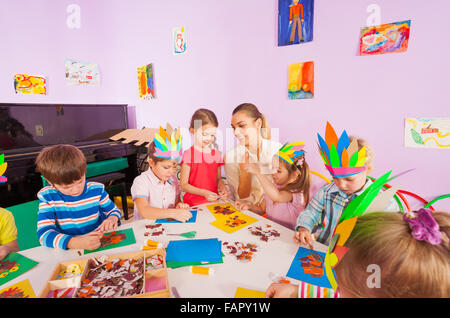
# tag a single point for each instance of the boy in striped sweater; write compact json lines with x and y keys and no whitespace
{"x":72,"y":213}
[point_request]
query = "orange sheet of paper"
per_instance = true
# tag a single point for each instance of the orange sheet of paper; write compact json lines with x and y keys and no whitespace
{"x":248,"y":293}
{"x":22,"y":289}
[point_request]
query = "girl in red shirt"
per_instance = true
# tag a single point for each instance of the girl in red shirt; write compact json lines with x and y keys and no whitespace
{"x":201,"y":164}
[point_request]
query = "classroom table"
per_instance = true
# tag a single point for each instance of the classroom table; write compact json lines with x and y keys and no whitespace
{"x":272,"y":257}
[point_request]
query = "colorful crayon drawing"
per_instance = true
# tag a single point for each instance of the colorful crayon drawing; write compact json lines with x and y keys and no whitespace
{"x":179,"y":40}
{"x":385,"y":38}
{"x":145,"y":82}
{"x":81,"y":73}
{"x":3,"y":166}
{"x":295,"y":21}
{"x":30,"y":84}
{"x":308,"y":266}
{"x":427,"y":132}
{"x":22,"y":289}
{"x":301,"y":80}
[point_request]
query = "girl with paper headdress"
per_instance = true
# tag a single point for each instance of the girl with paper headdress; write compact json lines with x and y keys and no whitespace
{"x":349,"y":161}
{"x":288,"y":194}
{"x":156,"y":192}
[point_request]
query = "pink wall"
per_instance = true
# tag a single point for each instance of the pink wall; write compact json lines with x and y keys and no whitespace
{"x":232,"y":57}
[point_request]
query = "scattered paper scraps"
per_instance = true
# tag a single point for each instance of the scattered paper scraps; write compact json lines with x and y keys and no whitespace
{"x":308,"y":266}
{"x":22,"y":289}
{"x":13,"y":266}
{"x":249,"y":293}
{"x":221,"y":209}
{"x":154,"y":262}
{"x":81,"y":73}
{"x":115,"y":239}
{"x":61,"y":293}
{"x":30,"y":84}
{"x":154,"y":230}
{"x":112,"y":278}
{"x":243,"y":252}
{"x":385,"y":38}
{"x":266,"y":234}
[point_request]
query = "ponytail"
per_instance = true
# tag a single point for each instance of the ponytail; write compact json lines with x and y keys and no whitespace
{"x":303,"y":181}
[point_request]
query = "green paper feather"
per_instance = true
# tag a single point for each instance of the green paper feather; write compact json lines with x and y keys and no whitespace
{"x":2,"y":158}
{"x":353,"y":159}
{"x":334,"y":157}
{"x":359,"y":205}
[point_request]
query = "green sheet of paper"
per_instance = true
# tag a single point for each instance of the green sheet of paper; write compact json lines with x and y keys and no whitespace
{"x":16,"y":264}
{"x":176,"y":264}
{"x":130,"y":239}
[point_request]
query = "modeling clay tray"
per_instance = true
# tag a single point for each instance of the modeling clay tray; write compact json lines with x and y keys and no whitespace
{"x":133,"y":275}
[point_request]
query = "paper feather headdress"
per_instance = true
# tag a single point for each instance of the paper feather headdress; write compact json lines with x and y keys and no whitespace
{"x":168,"y":143}
{"x":290,"y":152}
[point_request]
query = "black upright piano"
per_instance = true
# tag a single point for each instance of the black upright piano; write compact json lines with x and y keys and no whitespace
{"x":25,"y":129}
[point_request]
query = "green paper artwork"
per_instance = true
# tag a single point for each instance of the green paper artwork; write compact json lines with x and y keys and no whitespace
{"x":115,"y":239}
{"x":13,"y":266}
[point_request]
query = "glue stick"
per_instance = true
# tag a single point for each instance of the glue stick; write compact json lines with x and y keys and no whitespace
{"x":202,"y":270}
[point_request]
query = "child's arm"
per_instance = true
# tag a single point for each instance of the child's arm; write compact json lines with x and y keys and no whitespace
{"x":310,"y":218}
{"x":149,"y":212}
{"x":186,"y":187}
{"x":7,"y":248}
{"x":269,"y":188}
{"x":109,"y":211}
{"x":47,"y":232}
{"x":221,"y":186}
{"x":258,"y":208}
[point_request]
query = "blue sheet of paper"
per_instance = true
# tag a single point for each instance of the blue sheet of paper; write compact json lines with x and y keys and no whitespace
{"x":203,"y":250}
{"x":191,"y":220}
{"x":308,"y":266}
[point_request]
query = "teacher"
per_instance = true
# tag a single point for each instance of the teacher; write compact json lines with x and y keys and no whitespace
{"x":253,"y":133}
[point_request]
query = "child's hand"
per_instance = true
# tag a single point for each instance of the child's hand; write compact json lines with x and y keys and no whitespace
{"x":4,"y":251}
{"x":223,"y":195}
{"x":280,"y":290}
{"x":242,"y":205}
{"x":210,"y":196}
{"x":181,"y":215}
{"x":90,"y":241}
{"x":182,"y":205}
{"x":304,"y":236}
{"x":109,"y":224}
{"x":252,"y":168}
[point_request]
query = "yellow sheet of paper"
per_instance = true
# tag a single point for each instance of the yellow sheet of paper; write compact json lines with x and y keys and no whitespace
{"x":222,"y":223}
{"x":248,"y":293}
{"x":223,"y":205}
{"x":23,"y":286}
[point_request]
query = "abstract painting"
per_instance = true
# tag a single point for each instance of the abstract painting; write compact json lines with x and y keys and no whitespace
{"x":301,"y":80}
{"x":30,"y":84}
{"x":385,"y":38}
{"x":427,"y":133}
{"x":145,"y":82}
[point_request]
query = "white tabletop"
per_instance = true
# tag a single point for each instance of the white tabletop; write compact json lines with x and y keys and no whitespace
{"x":272,"y":257}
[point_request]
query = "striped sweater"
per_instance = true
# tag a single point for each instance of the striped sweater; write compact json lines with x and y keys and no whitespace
{"x":61,"y":217}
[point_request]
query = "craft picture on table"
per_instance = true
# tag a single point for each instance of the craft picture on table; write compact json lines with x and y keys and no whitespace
{"x":295,"y":21}
{"x":13,"y":266}
{"x":384,"y":38}
{"x":308,"y":266}
{"x":179,"y":40}
{"x":221,"y":209}
{"x":19,"y":290}
{"x":145,"y":82}
{"x":81,"y":73}
{"x":234,"y":222}
{"x":30,"y":84}
{"x":301,"y":80}
{"x":115,"y":239}
{"x":170,"y":220}
{"x":3,"y":166}
{"x":427,"y":133}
